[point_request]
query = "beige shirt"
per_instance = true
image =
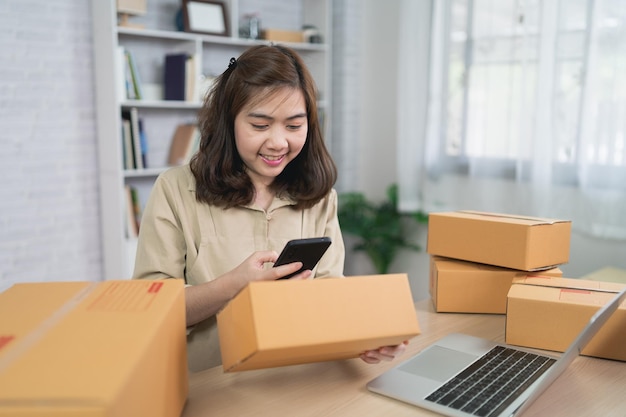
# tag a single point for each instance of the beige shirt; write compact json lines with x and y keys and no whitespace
{"x":180,"y":237}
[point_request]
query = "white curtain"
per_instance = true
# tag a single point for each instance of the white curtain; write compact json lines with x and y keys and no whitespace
{"x":530,"y":119}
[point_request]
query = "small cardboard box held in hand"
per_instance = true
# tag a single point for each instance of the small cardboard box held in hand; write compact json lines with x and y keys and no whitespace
{"x":548,"y":313}
{"x":113,"y":348}
{"x":468,"y":287}
{"x":509,"y":241}
{"x":278,"y":323}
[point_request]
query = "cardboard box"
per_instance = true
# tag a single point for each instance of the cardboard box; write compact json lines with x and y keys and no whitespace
{"x":279,"y":35}
{"x":280,"y":323}
{"x":113,"y":348}
{"x":468,"y":287}
{"x":548,"y":313}
{"x":509,"y":241}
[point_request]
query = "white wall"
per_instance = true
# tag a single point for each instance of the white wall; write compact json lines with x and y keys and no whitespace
{"x":49,"y":219}
{"x":346,"y":76}
{"x":377,"y":160}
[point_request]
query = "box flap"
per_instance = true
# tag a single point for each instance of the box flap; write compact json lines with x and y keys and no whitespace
{"x":511,"y":217}
{"x":569,"y":283}
{"x":449,"y":264}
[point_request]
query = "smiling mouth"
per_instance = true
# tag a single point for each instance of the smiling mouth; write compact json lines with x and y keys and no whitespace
{"x":272,"y":157}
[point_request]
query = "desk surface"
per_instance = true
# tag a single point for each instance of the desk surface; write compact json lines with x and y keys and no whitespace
{"x":590,"y":387}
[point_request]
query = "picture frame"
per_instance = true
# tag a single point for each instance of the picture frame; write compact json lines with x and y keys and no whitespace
{"x":205,"y":16}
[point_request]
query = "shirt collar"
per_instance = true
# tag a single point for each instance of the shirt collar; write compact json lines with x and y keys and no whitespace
{"x":276,"y":203}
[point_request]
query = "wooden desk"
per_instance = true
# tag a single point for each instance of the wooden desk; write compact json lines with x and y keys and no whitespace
{"x":590,"y":387}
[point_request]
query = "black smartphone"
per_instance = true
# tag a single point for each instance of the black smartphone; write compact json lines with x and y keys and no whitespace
{"x":308,"y":251}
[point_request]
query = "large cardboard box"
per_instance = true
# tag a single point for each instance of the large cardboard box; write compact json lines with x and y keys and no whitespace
{"x":468,"y":287}
{"x":509,"y":241}
{"x":548,"y":313}
{"x":287,"y":322}
{"x":113,"y":348}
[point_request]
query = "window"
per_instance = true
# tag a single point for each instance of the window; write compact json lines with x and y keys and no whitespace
{"x":511,"y":62}
{"x":522,"y":109}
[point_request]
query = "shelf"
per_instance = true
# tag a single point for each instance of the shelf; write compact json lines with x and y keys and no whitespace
{"x":212,"y":39}
{"x":143,"y":173}
{"x":161,"y":104}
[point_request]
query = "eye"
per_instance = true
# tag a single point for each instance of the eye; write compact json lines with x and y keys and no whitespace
{"x":259,"y":127}
{"x":294,"y":127}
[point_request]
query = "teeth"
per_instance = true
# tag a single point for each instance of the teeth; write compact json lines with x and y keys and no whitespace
{"x":272,"y":158}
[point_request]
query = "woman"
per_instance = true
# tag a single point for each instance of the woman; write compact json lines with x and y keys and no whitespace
{"x":262,"y":176}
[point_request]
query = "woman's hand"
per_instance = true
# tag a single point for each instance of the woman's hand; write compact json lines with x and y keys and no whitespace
{"x":252,"y":269}
{"x":385,"y":353}
{"x":205,"y":300}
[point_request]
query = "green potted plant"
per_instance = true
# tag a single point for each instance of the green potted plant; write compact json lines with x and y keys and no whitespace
{"x":380,"y":227}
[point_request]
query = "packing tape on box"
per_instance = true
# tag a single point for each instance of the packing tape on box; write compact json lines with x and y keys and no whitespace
{"x":509,"y":216}
{"x":23,"y":345}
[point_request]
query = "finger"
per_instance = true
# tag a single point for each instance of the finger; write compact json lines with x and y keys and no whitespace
{"x":262,"y":257}
{"x":384,"y":356}
{"x":283,"y":270}
{"x":386,"y":353}
{"x":392,"y":351}
{"x":369,"y":357}
{"x":302,"y":275}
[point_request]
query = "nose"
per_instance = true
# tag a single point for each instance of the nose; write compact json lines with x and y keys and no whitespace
{"x":277,"y":138}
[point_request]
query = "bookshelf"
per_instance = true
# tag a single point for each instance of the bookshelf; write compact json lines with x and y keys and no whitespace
{"x":149,"y":43}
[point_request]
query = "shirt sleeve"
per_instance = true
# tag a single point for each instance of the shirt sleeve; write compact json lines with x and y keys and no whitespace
{"x":332,"y":263}
{"x":161,"y":244}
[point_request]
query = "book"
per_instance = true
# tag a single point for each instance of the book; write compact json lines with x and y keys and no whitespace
{"x":134,"y":76}
{"x":128,"y":78}
{"x":127,"y":145}
{"x":191,"y":79}
{"x":134,"y":195}
{"x":134,"y":128}
{"x":133,"y":118}
{"x":174,"y":76}
{"x":132,"y":226}
{"x":184,"y":144}
{"x":143,"y":144}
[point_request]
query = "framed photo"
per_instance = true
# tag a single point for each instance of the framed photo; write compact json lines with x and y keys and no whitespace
{"x":205,"y":16}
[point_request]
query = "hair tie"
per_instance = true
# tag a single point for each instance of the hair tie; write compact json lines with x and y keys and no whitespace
{"x":232,"y":63}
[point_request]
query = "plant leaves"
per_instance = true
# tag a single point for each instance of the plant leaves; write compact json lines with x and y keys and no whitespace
{"x":379,"y":226}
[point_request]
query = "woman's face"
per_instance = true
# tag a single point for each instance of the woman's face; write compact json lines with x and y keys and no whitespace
{"x":271,"y":133}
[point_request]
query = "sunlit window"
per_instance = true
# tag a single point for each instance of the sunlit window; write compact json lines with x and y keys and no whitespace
{"x":497,"y":62}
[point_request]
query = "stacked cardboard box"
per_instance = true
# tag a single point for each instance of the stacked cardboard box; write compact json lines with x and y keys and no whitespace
{"x":467,"y":287}
{"x":476,"y":255}
{"x":499,"y":263}
{"x":548,"y":313}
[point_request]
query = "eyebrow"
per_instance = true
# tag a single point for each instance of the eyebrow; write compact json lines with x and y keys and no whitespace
{"x":265,"y":116}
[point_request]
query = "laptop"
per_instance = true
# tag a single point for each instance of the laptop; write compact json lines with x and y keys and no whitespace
{"x":462,"y":375}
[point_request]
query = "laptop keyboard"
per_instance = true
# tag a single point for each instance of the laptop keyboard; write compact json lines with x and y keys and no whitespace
{"x":493,"y":382}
